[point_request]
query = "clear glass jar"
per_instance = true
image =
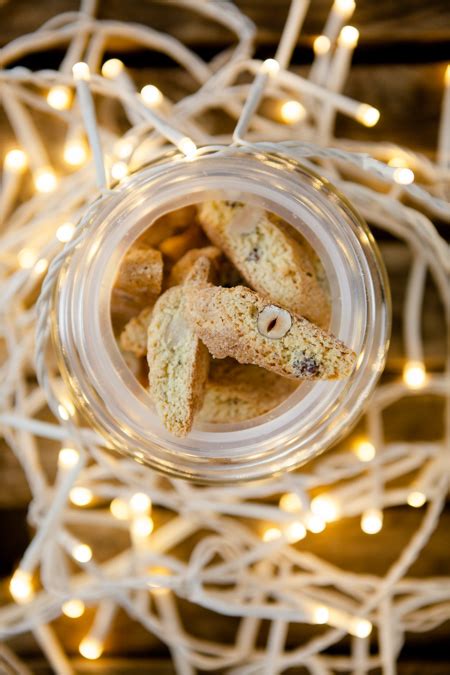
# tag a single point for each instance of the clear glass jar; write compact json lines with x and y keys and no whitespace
{"x":105,"y":391}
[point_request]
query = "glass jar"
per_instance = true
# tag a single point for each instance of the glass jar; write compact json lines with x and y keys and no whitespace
{"x":104,"y":390}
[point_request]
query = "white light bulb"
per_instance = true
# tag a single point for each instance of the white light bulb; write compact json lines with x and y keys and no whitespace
{"x":345,"y":7}
{"x":41,"y":266}
{"x":360,"y":628}
{"x":75,"y":152}
{"x":80,"y":496}
{"x":82,"y":553}
{"x":90,"y":648}
{"x":65,"y":232}
{"x":141,"y":527}
{"x":367,"y":115}
{"x":372,"y":521}
{"x":81,"y":71}
{"x":45,"y":180}
{"x":151,"y":95}
{"x":325,"y":507}
{"x":59,"y":97}
{"x":271,"y":533}
{"x":271,"y":67}
{"x":140,"y":503}
{"x":320,"y":614}
{"x":290,"y":502}
{"x":119,"y":170}
{"x":321,"y":45}
{"x":123,"y":148}
{"x":403,"y":176}
{"x":119,"y":509}
{"x":112,"y":68}
{"x":187,"y":146}
{"x":315,"y":523}
{"x":68,"y":457}
{"x":294,"y":532}
{"x":15,"y":161}
{"x":26,"y":258}
{"x":73,"y":608}
{"x":292,"y":112}
{"x":21,"y":587}
{"x":364,"y":450}
{"x":416,"y":499}
{"x":348,"y":37}
{"x":414,"y":374}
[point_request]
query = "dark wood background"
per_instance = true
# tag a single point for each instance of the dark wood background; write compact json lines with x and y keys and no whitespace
{"x":398,"y":67}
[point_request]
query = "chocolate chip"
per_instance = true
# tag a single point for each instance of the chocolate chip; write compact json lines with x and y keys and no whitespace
{"x":306,"y":366}
{"x":254,"y":255}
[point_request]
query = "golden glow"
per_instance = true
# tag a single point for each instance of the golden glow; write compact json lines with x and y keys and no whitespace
{"x":59,"y":97}
{"x":64,"y":412}
{"x":123,"y":148}
{"x":41,"y":266}
{"x":140,"y":503}
{"x":414,"y":374}
{"x":80,"y":496}
{"x":295,"y":532}
{"x":82,"y":553}
{"x":26,"y":258}
{"x":73,"y":608}
{"x":367,"y":115}
{"x":325,"y":507}
{"x":21,"y":587}
{"x":447,"y":76}
{"x":372,"y":521}
{"x":403,"y":176}
{"x":348,"y":37}
{"x":156,"y":588}
{"x":292,"y":112}
{"x":112,"y":68}
{"x":187,"y":146}
{"x":119,"y":170}
{"x":398,"y":161}
{"x":290,"y":502}
{"x":364,"y":450}
{"x":45,"y":179}
{"x":68,"y":457}
{"x":315,"y":523}
{"x":360,"y":628}
{"x":142,"y":526}
{"x":75,"y":152}
{"x":271,"y":67}
{"x":90,"y":648}
{"x":81,"y":71}
{"x":119,"y":509}
{"x":16,"y":161}
{"x":345,"y":7}
{"x":65,"y":232}
{"x":321,"y":45}
{"x":320,"y":614}
{"x":416,"y":499}
{"x":271,"y":533}
{"x":151,"y":95}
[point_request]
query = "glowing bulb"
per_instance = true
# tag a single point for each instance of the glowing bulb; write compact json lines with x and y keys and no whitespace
{"x":21,"y":587}
{"x":41,"y":266}
{"x":140,"y":503}
{"x":325,"y":507}
{"x":68,"y":457}
{"x":360,"y":628}
{"x":90,"y":648}
{"x":73,"y":608}
{"x":82,"y":553}
{"x":142,"y":526}
{"x":80,"y":496}
{"x":271,"y":67}
{"x":119,"y":170}
{"x":81,"y":71}
{"x":295,"y":532}
{"x":416,"y":499}
{"x":364,"y":450}
{"x":348,"y":37}
{"x":187,"y":146}
{"x":45,"y":180}
{"x":59,"y":97}
{"x":315,"y":523}
{"x":151,"y":95}
{"x":16,"y":161}
{"x":63,"y":413}
{"x":447,"y":76}
{"x":372,"y":521}
{"x":65,"y":232}
{"x":403,"y":176}
{"x":367,"y":115}
{"x":119,"y":509}
{"x":345,"y":7}
{"x":321,"y":45}
{"x":320,"y":614}
{"x":123,"y":148}
{"x":75,"y":152}
{"x":112,"y":68}
{"x":26,"y":258}
{"x":414,"y":374}
{"x":292,"y":111}
{"x":290,"y":502}
{"x":271,"y":534}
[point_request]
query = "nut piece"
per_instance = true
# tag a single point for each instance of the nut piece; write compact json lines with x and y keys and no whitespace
{"x":274,"y":322}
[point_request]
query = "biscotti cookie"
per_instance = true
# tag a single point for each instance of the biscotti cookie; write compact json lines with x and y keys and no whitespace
{"x":238,"y":322}
{"x":168,"y":225}
{"x":178,"y":361}
{"x":141,"y":272}
{"x":181,"y":268}
{"x":133,"y":337}
{"x":175,"y":247}
{"x":272,"y":262}
{"x":235,"y":392}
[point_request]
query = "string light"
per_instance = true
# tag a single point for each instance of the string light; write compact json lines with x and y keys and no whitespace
{"x":325,"y":507}
{"x":416,"y":499}
{"x":271,"y":533}
{"x":68,"y":457}
{"x":321,"y":45}
{"x":295,"y":532}
{"x":59,"y":97}
{"x":367,"y":115}
{"x":348,"y":37}
{"x":80,"y":496}
{"x":45,"y":180}
{"x":414,"y":374}
{"x":119,"y":509}
{"x":292,"y":112}
{"x":81,"y":553}
{"x":364,"y":450}
{"x":360,"y":628}
{"x":75,"y":152}
{"x":112,"y":68}
{"x":187,"y":146}
{"x":345,"y":7}
{"x":119,"y":170}
{"x":41,"y":266}
{"x":73,"y":608}
{"x":15,"y":161}
{"x":140,"y":503}
{"x":123,"y":148}
{"x":65,"y":232}
{"x":141,"y":527}
{"x":90,"y":648}
{"x":21,"y":587}
{"x":315,"y":524}
{"x":81,"y":71}
{"x":403,"y":176}
{"x":26,"y":258}
{"x":158,"y":589}
{"x":151,"y":95}
{"x":290,"y":502}
{"x":271,"y":67}
{"x":372,"y":521}
{"x":319,"y":614}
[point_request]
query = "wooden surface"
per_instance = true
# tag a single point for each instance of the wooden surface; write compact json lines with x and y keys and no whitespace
{"x":398,"y":67}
